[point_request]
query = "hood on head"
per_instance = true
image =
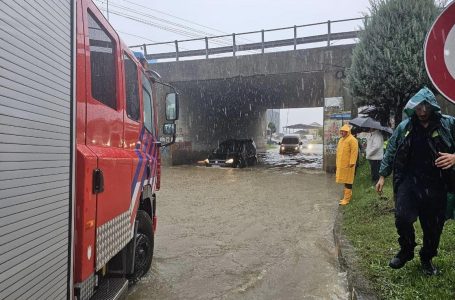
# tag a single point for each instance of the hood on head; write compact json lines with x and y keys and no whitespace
{"x":346,"y":128}
{"x":424,"y":95}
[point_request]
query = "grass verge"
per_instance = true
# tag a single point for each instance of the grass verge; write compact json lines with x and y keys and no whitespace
{"x":368,"y":223}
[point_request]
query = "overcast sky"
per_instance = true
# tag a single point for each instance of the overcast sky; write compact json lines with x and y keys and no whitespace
{"x":218,"y":17}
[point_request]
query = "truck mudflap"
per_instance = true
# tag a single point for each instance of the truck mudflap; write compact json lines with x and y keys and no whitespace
{"x":154,"y":218}
{"x":154,"y":223}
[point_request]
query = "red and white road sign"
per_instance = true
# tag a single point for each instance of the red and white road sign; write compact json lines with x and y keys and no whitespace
{"x":440,"y":52}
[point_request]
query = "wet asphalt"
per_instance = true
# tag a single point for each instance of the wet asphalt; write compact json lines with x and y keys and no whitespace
{"x":262,"y":232}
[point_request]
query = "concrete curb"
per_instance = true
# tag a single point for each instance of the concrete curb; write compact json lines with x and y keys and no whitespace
{"x":358,"y":285}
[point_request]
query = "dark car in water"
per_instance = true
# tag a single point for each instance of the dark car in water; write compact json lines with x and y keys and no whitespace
{"x":290,"y":144}
{"x":236,"y":153}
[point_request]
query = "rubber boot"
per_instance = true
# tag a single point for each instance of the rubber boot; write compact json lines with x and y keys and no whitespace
{"x":343,"y":201}
{"x":347,"y":197}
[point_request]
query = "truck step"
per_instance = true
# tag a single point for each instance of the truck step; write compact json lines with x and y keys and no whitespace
{"x":111,"y":289}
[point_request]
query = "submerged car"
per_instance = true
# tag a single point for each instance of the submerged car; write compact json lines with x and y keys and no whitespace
{"x":290,"y":144}
{"x":236,"y":153}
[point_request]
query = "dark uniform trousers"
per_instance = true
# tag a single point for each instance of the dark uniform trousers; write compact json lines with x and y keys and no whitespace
{"x":414,"y":200}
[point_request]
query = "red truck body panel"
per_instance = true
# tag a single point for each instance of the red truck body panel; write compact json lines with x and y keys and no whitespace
{"x":107,"y":139}
{"x":85,"y":215}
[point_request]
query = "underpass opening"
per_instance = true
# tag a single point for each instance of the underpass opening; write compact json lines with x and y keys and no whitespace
{"x":221,"y":109}
{"x":288,"y":126}
{"x":228,"y":97}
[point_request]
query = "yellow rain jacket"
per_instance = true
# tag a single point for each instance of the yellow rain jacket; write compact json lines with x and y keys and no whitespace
{"x":347,"y":152}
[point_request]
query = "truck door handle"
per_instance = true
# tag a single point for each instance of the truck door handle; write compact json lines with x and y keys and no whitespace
{"x":98,"y":181}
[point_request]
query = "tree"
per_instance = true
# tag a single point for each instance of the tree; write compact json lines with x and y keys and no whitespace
{"x":388,"y":62}
{"x":272,"y":128}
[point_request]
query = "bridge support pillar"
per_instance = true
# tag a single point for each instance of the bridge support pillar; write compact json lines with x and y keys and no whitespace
{"x":338,"y":105}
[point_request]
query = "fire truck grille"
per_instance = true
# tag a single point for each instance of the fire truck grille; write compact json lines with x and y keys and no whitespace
{"x":111,"y":237}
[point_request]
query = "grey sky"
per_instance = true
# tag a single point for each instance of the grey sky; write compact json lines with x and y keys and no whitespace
{"x":300,"y":116}
{"x":225,"y":16}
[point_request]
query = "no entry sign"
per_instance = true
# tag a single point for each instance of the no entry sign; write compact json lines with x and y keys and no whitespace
{"x":440,"y":52}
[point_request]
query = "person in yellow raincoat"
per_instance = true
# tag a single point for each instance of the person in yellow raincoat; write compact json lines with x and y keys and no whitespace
{"x":347,"y":152}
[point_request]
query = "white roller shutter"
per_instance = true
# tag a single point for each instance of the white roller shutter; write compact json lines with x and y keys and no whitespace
{"x":36,"y":98}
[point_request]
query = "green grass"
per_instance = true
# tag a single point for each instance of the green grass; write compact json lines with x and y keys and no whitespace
{"x":368,"y":222}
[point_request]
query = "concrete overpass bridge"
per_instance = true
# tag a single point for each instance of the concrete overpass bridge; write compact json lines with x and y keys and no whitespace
{"x":227,"y":97}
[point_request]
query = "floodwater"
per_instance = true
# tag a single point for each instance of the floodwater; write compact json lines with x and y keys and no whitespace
{"x":310,"y":157}
{"x":263,"y":232}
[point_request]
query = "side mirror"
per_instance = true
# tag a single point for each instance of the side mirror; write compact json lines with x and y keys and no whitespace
{"x":279,"y":143}
{"x":169,"y":128}
{"x":172,"y":107}
{"x":300,"y":143}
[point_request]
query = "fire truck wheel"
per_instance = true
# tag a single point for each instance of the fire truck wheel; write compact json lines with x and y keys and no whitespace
{"x":144,"y":246}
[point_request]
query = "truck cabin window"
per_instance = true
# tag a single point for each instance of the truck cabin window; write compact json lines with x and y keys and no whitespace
{"x":147,"y":99}
{"x":132,"y":88}
{"x":102,"y":63}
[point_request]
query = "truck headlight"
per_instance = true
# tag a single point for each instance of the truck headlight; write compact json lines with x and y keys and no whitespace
{"x":206,"y":161}
{"x":296,"y":148}
{"x":230,"y":161}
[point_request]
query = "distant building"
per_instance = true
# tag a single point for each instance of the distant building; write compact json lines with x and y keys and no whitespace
{"x":305,"y":130}
{"x":316,"y":124}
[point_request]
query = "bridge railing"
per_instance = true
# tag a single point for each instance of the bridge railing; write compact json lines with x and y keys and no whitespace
{"x":235,"y":47}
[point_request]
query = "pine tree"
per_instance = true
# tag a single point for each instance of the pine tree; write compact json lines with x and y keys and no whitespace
{"x":388,"y":62}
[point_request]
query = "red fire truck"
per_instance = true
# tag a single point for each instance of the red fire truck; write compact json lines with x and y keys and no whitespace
{"x":79,"y":153}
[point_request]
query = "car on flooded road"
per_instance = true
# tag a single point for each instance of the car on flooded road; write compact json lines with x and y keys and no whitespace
{"x":235,"y":153}
{"x":290,"y":144}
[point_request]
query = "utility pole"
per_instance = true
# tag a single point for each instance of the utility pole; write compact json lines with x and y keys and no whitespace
{"x":107,"y":9}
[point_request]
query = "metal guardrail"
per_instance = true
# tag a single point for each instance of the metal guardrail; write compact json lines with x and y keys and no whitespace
{"x":207,"y":51}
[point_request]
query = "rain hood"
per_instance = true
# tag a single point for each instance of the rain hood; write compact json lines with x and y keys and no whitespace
{"x":423,"y":95}
{"x":346,"y":128}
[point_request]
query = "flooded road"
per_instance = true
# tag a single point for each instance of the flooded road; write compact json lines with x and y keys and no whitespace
{"x":256,"y":233}
{"x":309,"y":158}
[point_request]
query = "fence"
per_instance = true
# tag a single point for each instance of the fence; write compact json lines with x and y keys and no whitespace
{"x":234,"y":48}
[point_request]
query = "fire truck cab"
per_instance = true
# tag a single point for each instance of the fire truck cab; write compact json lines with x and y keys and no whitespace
{"x":79,"y":153}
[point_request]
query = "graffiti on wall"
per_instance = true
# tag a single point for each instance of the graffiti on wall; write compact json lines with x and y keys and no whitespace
{"x":334,"y":117}
{"x":331,"y":135}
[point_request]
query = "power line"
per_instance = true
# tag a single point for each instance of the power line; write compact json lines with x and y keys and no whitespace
{"x":159,"y":26}
{"x":138,"y":36}
{"x":174,"y":30}
{"x":170,"y":29}
{"x":182,"y":19}
{"x":193,"y":33}
{"x":170,"y":15}
{"x":164,"y":21}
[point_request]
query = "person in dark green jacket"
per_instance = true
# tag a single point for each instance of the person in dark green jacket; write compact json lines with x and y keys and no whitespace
{"x":420,"y":154}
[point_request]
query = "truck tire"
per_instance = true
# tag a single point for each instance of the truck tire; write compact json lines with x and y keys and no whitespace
{"x":144,"y":246}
